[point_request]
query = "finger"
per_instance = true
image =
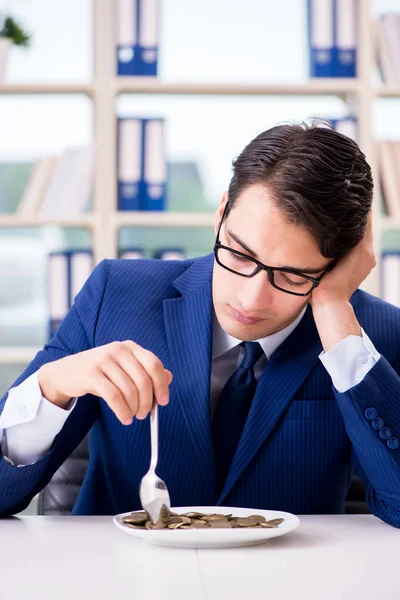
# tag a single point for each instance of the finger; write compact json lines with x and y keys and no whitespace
{"x":113,"y":397}
{"x":160,"y":377}
{"x":142,"y":380}
{"x":169,"y":376}
{"x":124,"y":382}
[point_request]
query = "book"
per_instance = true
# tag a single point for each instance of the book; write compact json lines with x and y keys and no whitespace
{"x":35,"y":190}
{"x":386,"y":59}
{"x":390,"y":48}
{"x":389,"y":182}
{"x":70,"y":188}
{"x":137,"y":24}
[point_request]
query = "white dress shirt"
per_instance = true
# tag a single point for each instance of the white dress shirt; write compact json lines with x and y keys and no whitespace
{"x":29,"y":423}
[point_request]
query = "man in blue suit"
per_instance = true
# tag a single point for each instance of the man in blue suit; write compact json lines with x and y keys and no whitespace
{"x":277,"y":376}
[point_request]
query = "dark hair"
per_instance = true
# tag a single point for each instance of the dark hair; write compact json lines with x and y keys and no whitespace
{"x":318,"y":178}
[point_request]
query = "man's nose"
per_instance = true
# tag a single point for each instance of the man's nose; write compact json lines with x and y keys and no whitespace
{"x":256,"y":293}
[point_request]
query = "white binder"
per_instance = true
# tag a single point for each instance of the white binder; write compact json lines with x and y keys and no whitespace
{"x":321,"y":42}
{"x":81,"y":267}
{"x":155,"y":166}
{"x":129,"y":163}
{"x":391,"y":278}
{"x":58,"y":286}
{"x":346,"y":38}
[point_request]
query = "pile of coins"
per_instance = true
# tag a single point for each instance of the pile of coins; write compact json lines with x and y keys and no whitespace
{"x":197,"y":520}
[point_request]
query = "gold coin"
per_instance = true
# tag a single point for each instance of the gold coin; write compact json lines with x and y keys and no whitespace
{"x":197,"y":520}
{"x":137,"y":518}
{"x":275,"y":521}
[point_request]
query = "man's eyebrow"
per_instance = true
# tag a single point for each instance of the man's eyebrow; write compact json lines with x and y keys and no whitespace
{"x":238,"y":241}
{"x":310,"y":271}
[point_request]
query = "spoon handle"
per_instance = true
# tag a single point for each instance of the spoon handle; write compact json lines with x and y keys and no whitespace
{"x":154,"y":436}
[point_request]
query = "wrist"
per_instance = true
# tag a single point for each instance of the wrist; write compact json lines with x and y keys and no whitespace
{"x":335,"y":320}
{"x":47,"y":388}
{"x":321,"y":297}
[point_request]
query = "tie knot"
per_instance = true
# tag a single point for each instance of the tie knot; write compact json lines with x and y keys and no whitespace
{"x":252,"y":353}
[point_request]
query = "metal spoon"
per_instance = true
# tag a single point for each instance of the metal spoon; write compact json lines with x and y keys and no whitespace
{"x":153,"y":492}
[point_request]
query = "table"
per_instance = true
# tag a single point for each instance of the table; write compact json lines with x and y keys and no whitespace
{"x":328,"y":557}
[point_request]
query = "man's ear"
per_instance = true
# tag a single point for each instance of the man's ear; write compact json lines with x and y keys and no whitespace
{"x":220,"y":211}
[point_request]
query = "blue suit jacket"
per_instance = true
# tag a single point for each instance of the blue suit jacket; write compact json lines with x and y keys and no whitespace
{"x":302,"y":440}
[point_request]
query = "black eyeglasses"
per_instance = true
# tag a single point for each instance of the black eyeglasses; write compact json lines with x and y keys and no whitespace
{"x":289,"y":281}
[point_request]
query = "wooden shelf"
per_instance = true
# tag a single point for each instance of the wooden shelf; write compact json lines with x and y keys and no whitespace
{"x":17,"y":221}
{"x":389,"y":223}
{"x":388,"y":92}
{"x":47,"y":88}
{"x":317,"y":87}
{"x":17,"y":354}
{"x":163,"y":219}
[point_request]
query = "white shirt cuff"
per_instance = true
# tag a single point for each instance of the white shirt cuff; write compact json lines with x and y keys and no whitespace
{"x":350,"y":360}
{"x":30,"y":423}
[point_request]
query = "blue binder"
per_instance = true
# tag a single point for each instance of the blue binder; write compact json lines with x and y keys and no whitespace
{"x":345,"y":37}
{"x":142,"y":166}
{"x":129,"y":163}
{"x":321,"y":38}
{"x":154,"y":165}
{"x":137,"y":37}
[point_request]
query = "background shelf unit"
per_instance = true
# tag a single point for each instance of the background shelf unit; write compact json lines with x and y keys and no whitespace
{"x":105,"y":221}
{"x":19,"y":355}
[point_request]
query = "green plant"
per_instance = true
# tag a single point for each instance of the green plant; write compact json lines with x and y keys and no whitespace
{"x":12,"y":30}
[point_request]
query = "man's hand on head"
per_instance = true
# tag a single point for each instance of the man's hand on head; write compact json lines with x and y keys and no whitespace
{"x":349,"y":272}
{"x":330,"y":301}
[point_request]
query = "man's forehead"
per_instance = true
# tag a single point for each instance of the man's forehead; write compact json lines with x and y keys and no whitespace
{"x":254,"y":236}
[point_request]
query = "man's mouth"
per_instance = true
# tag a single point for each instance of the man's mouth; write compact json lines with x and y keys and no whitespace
{"x":243,"y":318}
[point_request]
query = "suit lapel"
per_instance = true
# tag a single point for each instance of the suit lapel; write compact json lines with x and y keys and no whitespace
{"x":188,"y":324}
{"x":285,"y":372}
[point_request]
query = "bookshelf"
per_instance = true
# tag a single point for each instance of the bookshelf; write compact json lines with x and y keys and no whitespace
{"x":17,"y":221}
{"x":45,"y":88}
{"x":105,"y":222}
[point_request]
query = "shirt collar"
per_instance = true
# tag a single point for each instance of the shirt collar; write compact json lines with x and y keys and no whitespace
{"x":223,"y":342}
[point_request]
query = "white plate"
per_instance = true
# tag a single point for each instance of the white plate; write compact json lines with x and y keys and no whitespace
{"x":213,"y":538}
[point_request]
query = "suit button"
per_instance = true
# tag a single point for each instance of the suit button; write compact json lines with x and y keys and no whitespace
{"x":378,"y":423}
{"x":371,"y":413}
{"x":385,"y":433}
{"x":393,"y":443}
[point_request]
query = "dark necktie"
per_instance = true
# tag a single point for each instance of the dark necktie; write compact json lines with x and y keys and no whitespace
{"x":232,"y":409}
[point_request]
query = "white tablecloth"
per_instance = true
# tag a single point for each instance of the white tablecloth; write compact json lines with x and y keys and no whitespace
{"x":338,"y":557}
